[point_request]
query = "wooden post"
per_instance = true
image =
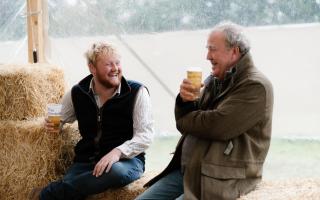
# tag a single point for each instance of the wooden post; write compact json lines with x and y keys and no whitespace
{"x":36,"y":19}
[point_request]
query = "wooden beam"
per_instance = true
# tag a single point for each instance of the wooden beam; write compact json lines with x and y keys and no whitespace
{"x":36,"y":19}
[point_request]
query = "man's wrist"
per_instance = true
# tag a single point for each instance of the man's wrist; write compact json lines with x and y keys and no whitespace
{"x":118,"y":152}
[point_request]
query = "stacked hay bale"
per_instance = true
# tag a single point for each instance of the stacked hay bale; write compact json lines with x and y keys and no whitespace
{"x":25,"y":90}
{"x":30,"y":157}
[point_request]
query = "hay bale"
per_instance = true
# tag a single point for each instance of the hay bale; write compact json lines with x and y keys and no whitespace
{"x":25,"y":90}
{"x":294,"y":189}
{"x":30,"y":157}
{"x":297,"y":189}
{"x":128,"y":192}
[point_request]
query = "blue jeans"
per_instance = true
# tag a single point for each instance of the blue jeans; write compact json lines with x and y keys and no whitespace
{"x":79,"y":182}
{"x":167,"y":188}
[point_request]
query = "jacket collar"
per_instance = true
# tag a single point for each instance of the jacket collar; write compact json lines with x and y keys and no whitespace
{"x":86,"y":85}
{"x":244,"y":65}
{"x":238,"y":72}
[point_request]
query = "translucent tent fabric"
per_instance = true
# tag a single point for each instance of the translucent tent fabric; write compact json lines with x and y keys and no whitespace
{"x":159,"y":40}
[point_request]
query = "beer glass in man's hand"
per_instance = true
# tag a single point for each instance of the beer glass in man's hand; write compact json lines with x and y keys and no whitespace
{"x":194,"y":75}
{"x":52,"y":121}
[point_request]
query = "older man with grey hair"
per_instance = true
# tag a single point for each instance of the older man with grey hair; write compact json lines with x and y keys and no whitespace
{"x":226,"y":132}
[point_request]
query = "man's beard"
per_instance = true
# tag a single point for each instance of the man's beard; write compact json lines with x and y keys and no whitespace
{"x":108,"y":84}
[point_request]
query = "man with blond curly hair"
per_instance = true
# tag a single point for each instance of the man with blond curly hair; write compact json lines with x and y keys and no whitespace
{"x":115,"y":124}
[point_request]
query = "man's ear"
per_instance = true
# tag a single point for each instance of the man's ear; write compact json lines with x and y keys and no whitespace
{"x":235,"y":53}
{"x":92,"y":68}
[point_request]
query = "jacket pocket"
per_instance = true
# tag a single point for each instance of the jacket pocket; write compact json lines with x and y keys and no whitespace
{"x":222,"y":172}
{"x":220,"y":182}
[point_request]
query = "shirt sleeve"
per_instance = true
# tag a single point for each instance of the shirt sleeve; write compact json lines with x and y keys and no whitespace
{"x":143,"y":130}
{"x":67,"y":112}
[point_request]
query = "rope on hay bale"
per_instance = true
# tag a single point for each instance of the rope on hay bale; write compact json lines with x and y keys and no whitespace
{"x":25,"y":90}
{"x":30,"y":157}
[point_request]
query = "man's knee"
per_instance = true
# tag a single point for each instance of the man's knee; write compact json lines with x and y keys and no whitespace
{"x":122,"y":174}
{"x":118,"y":170}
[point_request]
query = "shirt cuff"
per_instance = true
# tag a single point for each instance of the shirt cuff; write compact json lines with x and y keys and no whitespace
{"x":124,"y":151}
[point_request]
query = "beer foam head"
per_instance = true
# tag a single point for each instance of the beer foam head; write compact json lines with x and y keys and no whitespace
{"x":54,"y":109}
{"x":194,"y":69}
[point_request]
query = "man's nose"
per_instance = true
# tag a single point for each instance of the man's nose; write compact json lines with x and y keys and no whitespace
{"x":114,"y":66}
{"x":209,"y":56}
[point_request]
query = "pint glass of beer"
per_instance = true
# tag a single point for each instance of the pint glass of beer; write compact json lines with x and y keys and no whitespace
{"x":54,"y":115}
{"x":194,"y":74}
